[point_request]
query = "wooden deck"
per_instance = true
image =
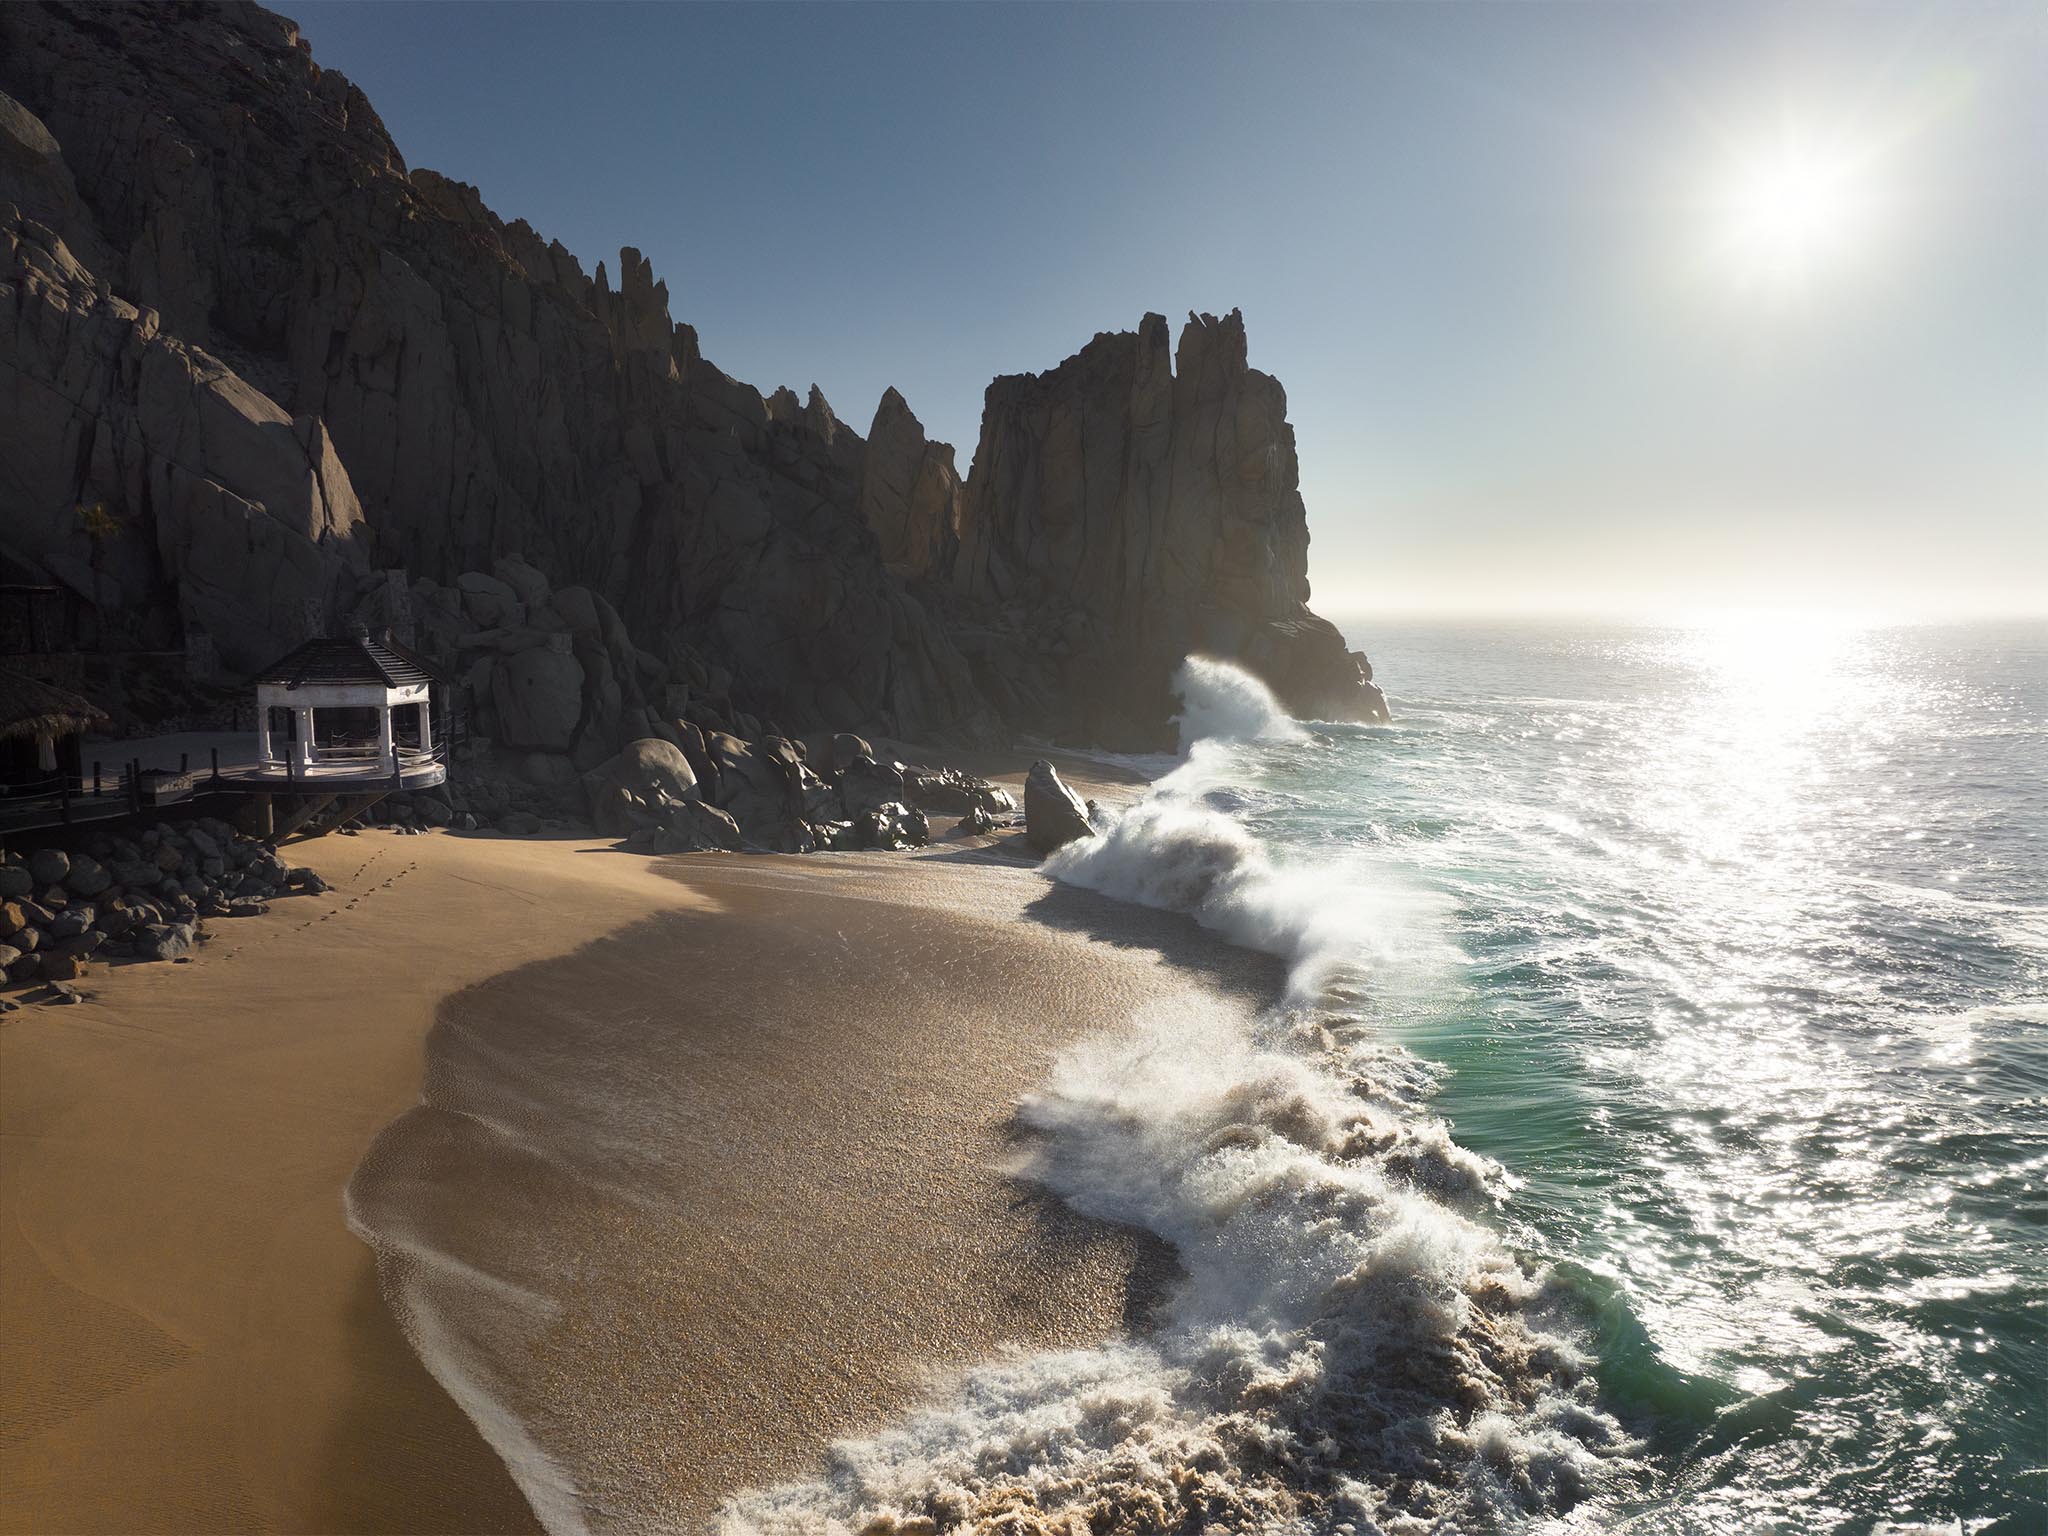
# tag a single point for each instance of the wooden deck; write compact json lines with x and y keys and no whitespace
{"x":138,"y":778}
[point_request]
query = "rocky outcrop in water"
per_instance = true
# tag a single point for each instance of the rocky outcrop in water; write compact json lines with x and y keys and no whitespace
{"x":1155,"y":498}
{"x":261,"y":377}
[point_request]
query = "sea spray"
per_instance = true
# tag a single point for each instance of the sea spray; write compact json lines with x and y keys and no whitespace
{"x":1220,"y":702}
{"x":1351,"y":1348}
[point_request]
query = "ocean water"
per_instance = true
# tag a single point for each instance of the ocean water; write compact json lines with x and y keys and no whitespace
{"x":1652,"y":1135}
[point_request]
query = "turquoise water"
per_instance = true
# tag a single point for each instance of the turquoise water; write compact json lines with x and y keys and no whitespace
{"x":1748,"y":996}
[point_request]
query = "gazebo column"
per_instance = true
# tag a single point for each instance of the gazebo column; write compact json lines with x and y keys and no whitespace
{"x":426,"y":725}
{"x":262,"y":729}
{"x":304,"y":746}
{"x":387,"y":749}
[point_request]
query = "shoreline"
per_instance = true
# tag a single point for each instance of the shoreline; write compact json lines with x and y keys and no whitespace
{"x":748,"y":1172}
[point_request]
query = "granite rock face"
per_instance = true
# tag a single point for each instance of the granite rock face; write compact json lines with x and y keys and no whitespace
{"x":1158,"y":497}
{"x":149,"y":477}
{"x":484,"y":392}
{"x":262,"y":378}
{"x":910,"y":492}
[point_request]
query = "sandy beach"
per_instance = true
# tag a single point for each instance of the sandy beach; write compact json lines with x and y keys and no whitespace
{"x":195,"y":1341}
{"x":816,"y":1218}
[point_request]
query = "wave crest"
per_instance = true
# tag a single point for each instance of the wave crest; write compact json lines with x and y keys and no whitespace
{"x":1222,"y":702}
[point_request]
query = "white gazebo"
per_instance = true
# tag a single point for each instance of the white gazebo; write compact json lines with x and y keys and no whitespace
{"x":350,"y":711}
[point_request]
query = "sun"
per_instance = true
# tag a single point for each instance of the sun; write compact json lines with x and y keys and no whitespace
{"x":1789,"y":210}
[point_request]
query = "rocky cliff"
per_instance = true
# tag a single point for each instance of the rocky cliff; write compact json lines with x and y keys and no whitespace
{"x":1156,"y":497}
{"x":260,"y":376}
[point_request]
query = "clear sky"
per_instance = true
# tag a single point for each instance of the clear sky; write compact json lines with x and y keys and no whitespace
{"x":1592,"y":306}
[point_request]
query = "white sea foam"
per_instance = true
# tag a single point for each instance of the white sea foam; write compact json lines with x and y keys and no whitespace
{"x":1352,"y":1348}
{"x":1220,"y":702}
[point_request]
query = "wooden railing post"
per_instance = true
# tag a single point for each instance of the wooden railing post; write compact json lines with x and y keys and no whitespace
{"x":95,"y":778}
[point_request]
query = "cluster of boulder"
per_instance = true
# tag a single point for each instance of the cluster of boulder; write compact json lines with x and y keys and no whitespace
{"x":551,"y":678}
{"x":258,"y":372}
{"x":140,"y":898}
{"x":714,"y":790}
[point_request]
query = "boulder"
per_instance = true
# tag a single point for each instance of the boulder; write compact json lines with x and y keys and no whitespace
{"x":165,"y":941}
{"x":848,"y":749}
{"x":637,"y":787}
{"x":117,"y":918}
{"x":12,"y":919}
{"x":69,"y":923}
{"x":865,"y":784}
{"x":891,"y":825}
{"x":756,"y":788}
{"x":1053,"y":814}
{"x":63,"y":967}
{"x":953,"y":793}
{"x":706,"y":826}
{"x":48,"y":866}
{"x":15,"y":880}
{"x":87,"y":876}
{"x":135,"y":874}
{"x":538,"y":696}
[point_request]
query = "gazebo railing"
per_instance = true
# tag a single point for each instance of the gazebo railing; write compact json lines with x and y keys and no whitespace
{"x":366,"y":760}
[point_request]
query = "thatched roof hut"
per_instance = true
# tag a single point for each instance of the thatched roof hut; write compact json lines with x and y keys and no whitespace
{"x":31,"y":709}
{"x":40,"y":726}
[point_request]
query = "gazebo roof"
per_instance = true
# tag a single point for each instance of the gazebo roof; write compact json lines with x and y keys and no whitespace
{"x":355,"y":660}
{"x":32,"y":708}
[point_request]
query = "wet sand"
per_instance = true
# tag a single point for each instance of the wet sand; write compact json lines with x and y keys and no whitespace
{"x":736,"y":1177}
{"x":193,"y":1340}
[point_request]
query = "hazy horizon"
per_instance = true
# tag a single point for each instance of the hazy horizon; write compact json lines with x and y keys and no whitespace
{"x":1588,"y":309}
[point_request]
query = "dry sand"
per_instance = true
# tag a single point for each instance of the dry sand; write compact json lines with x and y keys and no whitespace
{"x":194,"y":1341}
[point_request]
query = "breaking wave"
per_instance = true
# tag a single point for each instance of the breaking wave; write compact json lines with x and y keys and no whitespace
{"x":1220,"y":702}
{"x":1351,"y":1348}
